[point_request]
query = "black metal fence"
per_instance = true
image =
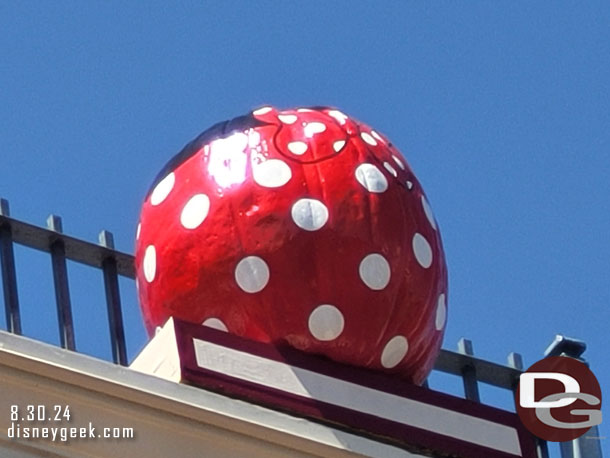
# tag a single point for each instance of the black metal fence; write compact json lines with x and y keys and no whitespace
{"x":62,"y":247}
{"x":113,"y":264}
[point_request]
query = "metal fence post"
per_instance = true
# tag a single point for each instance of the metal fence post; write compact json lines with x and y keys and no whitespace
{"x":9,"y":276}
{"x":469,"y":373}
{"x":113,"y":301}
{"x":60,"y":280}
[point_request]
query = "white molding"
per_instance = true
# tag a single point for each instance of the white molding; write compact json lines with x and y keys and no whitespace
{"x":170,"y":419}
{"x":295,"y":380}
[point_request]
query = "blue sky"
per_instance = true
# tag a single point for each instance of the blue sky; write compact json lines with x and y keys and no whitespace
{"x":502,"y":110}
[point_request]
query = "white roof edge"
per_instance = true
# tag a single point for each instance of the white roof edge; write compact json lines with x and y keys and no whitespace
{"x":128,"y":385}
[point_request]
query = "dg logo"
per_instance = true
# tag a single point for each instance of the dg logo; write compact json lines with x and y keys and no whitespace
{"x":559,"y":399}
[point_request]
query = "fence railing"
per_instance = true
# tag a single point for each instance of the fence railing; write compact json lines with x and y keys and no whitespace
{"x":113,"y":263}
{"x":61,"y":247}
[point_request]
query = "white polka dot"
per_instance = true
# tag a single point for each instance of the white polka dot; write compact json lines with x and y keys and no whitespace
{"x":252,"y":274}
{"x":338,"y":116}
{"x":338,"y":145}
{"x":150,"y":263}
{"x":254,"y":138}
{"x":298,"y":148}
{"x":288,"y":119}
{"x":138,"y":231}
{"x":390,"y":169}
{"x":376,"y":135}
{"x":163,"y":188}
{"x":309,"y":214}
{"x":313,"y":128}
{"x":262,"y":111}
{"x":394,"y":352}
{"x":409,"y":185}
{"x":195,"y":211}
{"x":371,"y":178}
{"x":326,"y":322}
{"x":272,"y":173}
{"x":236,"y":142}
{"x":367,"y":138}
{"x":215,"y":323}
{"x":375,"y":271}
{"x":398,"y":161}
{"x":228,"y":159}
{"x":441,"y":313}
{"x":304,"y":110}
{"x":428,"y":212}
{"x":422,"y":250}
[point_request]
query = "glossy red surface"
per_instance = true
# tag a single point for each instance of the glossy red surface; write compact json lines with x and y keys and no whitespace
{"x":306,"y":229}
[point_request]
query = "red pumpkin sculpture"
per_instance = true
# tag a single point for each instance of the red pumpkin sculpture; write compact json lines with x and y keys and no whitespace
{"x":300,"y":227}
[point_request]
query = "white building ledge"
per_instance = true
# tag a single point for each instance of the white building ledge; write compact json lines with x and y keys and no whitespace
{"x":168,"y":419}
